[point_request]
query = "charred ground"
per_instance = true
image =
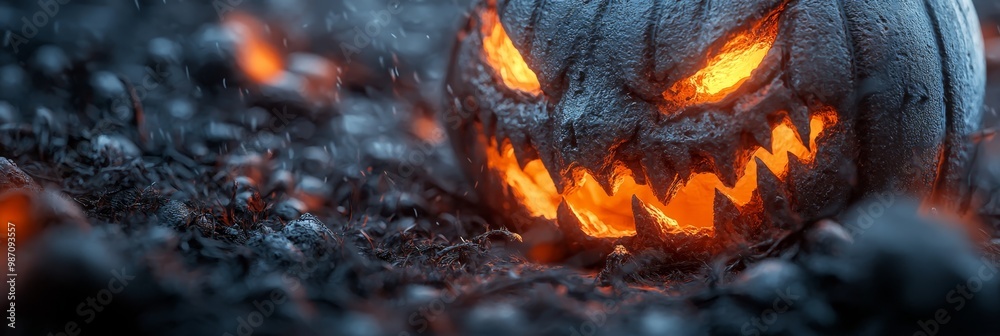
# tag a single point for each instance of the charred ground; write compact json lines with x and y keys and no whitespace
{"x":215,"y":200}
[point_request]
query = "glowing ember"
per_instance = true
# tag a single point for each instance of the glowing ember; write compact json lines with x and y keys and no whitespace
{"x":258,"y":59}
{"x":15,"y":207}
{"x":727,"y":71}
{"x":691,"y":209}
{"x":504,"y":57}
{"x":427,"y":129}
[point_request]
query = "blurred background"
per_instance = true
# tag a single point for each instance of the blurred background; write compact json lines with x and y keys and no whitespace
{"x":989,"y":16}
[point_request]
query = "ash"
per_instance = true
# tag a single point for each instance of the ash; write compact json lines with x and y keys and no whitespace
{"x":170,"y":192}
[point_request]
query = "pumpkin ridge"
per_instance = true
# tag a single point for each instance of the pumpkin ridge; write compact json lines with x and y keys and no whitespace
{"x":946,"y":83}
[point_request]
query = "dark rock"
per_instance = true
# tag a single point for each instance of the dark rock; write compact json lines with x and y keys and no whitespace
{"x":768,"y":280}
{"x":244,"y":183}
{"x":13,"y":178}
{"x":8,"y":113}
{"x":115,"y":149}
{"x":51,"y":60}
{"x":280,"y":180}
{"x":309,"y":234}
{"x":218,"y":131}
{"x":163,"y":50}
{"x":496,"y":319}
{"x":617,"y":267}
{"x":106,"y":85}
{"x":660,"y":322}
{"x":828,"y":237}
{"x":278,"y":249}
{"x":290,"y":209}
{"x":181,"y":108}
{"x":13,"y":81}
{"x":913,"y":262}
{"x":46,"y":121}
{"x":54,"y":207}
{"x":174,"y":214}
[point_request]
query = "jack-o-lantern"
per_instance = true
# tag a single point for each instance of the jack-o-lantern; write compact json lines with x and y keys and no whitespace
{"x":660,"y":123}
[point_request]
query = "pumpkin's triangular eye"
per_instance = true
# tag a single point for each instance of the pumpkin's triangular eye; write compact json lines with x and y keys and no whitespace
{"x":505,"y":59}
{"x":726,"y":71}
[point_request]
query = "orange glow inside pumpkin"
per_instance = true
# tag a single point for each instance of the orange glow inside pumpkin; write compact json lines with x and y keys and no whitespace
{"x":692,"y":207}
{"x":728,"y":70}
{"x":505,"y":59}
{"x":256,"y":57}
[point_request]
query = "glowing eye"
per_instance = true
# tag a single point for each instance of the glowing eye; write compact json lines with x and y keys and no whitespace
{"x":726,"y":71}
{"x":504,"y":57}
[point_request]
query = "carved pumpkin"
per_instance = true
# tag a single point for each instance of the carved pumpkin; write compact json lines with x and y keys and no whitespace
{"x":655,"y":124}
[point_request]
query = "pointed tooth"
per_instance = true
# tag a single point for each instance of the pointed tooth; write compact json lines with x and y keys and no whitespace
{"x":661,"y":177}
{"x":729,"y":161}
{"x":680,"y":163}
{"x":599,"y":165}
{"x":728,"y":220}
{"x":740,"y":162}
{"x":776,"y":98}
{"x":752,"y":224}
{"x":570,"y":179}
{"x":799,"y":116}
{"x":701,"y":161}
{"x":726,"y":211}
{"x":762,"y":137}
{"x":525,"y":152}
{"x":796,"y":168}
{"x":569,"y":223}
{"x":812,"y":201}
{"x":637,"y":170}
{"x":650,"y":222}
{"x":606,"y":179}
{"x":557,"y":180}
{"x":554,"y":170}
{"x":776,"y":204}
{"x":726,"y":168}
{"x":588,"y":249}
{"x":611,"y":178}
{"x":654,"y":230}
{"x":765,"y":177}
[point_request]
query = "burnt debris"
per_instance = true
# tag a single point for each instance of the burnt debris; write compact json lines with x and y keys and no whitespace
{"x":159,"y":189}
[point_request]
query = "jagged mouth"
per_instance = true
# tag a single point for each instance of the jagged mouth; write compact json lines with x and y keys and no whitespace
{"x":689,"y":207}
